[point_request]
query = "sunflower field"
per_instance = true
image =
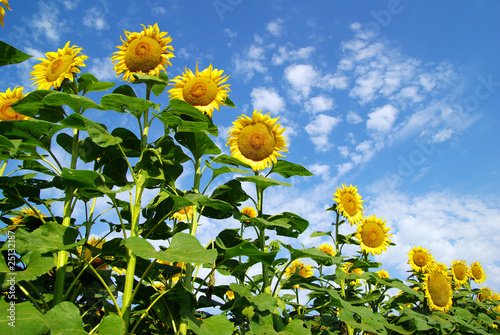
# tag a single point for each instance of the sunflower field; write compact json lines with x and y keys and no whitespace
{"x":150,"y":274}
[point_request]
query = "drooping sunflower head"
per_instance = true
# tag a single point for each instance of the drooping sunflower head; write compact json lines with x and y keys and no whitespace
{"x":204,"y":90}
{"x":420,"y":259}
{"x":146,"y":52}
{"x":373,"y":235}
{"x":250,"y":211}
{"x":257,"y":141}
{"x":2,"y":10}
{"x":184,"y":214}
{"x":477,"y":272}
{"x":485,"y":294}
{"x":7,"y":98}
{"x":58,"y":66}
{"x":460,"y":272}
{"x":349,"y":203}
{"x":383,"y":274}
{"x":438,"y":291}
{"x":327,"y":249}
{"x":303,"y":270}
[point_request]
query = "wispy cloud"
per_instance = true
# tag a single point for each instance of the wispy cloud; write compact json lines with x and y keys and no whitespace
{"x":275,"y":27}
{"x":319,"y":130}
{"x":47,"y":22}
{"x":267,"y":99}
{"x":95,"y":18}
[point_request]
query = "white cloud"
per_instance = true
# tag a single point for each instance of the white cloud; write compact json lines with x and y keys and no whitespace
{"x":353,"y":118}
{"x":230,"y":33}
{"x":382,"y":118}
{"x":284,"y":54}
{"x":442,"y":135}
{"x":70,"y":4}
{"x":275,"y":27}
{"x":94,"y":18}
{"x":302,"y":77}
{"x":47,"y":22}
{"x":267,"y":100}
{"x":344,"y":168}
{"x":158,"y":11}
{"x":256,"y":52}
{"x":319,"y":129}
{"x":320,"y":170}
{"x":319,"y":104}
{"x":102,"y":68}
{"x":248,"y":67}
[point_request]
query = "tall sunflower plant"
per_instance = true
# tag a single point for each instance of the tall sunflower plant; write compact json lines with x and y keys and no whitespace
{"x":101,"y":238}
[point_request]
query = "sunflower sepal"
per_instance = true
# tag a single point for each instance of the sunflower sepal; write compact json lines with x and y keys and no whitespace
{"x":263,"y":182}
{"x":287,"y":169}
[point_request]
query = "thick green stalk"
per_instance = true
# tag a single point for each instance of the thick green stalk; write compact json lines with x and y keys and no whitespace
{"x":62,"y":256}
{"x":262,"y":239}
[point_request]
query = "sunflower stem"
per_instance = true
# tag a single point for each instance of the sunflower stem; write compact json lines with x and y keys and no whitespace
{"x":262,"y":237}
{"x":62,"y":256}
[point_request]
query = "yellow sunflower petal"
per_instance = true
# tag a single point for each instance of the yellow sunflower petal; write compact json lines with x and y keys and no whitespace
{"x":420,"y":259}
{"x":477,"y":272}
{"x":460,"y":273}
{"x":6,"y":99}
{"x":349,"y":203}
{"x":438,"y":291}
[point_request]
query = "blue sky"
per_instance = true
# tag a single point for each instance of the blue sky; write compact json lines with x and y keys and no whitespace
{"x":398,"y":97}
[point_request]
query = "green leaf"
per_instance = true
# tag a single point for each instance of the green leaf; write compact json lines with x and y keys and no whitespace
{"x":262,"y":182}
{"x":34,"y":132}
{"x":287,"y":169}
{"x":124,"y":103}
{"x":36,"y":266}
{"x":182,"y":248}
{"x":65,"y":319}
{"x":296,"y":327}
{"x":214,"y":325}
{"x":28,"y":320}
{"x":312,"y":253}
{"x":321,"y":233}
{"x":228,"y":102}
{"x":77,"y":103}
{"x":229,"y":160}
{"x":295,"y":224}
{"x":89,"y":83}
{"x":251,"y":251}
{"x":84,"y":179}
{"x":50,"y":237}
{"x":31,"y":105}
{"x":96,"y":132}
{"x":111,"y":325}
{"x":36,"y":166}
{"x":198,"y":143}
{"x":125,"y":90}
{"x":10,"y":55}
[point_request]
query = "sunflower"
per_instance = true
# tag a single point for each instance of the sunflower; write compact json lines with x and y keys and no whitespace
{"x":485,"y":294}
{"x":184,"y":214}
{"x":349,"y":203}
{"x":58,"y":66}
{"x":230,"y":295}
{"x":420,"y":259}
{"x":477,"y":272}
{"x":304,"y":270}
{"x":250,"y":211}
{"x":175,"y":277}
{"x":383,"y":274}
{"x":203,"y":90}
{"x":257,"y":140}
{"x":372,"y":233}
{"x":146,"y":52}
{"x":2,"y":10}
{"x":18,"y":221}
{"x":98,"y":263}
{"x":346,"y":267}
{"x":327,"y":249}
{"x":6,"y":99}
{"x":460,"y":272}
{"x":437,"y":287}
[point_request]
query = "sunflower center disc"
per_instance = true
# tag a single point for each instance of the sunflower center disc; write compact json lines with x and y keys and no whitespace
{"x":373,"y":236}
{"x":256,"y":142}
{"x":460,"y":272}
{"x":477,"y":273}
{"x":57,"y":67}
{"x":349,"y":204}
{"x":200,"y":91}
{"x":439,"y":289}
{"x":143,"y":54}
{"x":420,"y":259}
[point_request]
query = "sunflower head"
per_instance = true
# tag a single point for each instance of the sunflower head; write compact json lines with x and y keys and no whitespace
{"x":485,"y":294}
{"x":460,"y":273}
{"x":18,"y":221}
{"x":420,"y":259}
{"x":98,"y":263}
{"x":437,"y":287}
{"x":184,"y":214}
{"x":327,"y":249}
{"x":146,"y":52}
{"x":303,"y":270}
{"x":58,"y":66}
{"x":204,"y":90}
{"x":383,"y":274}
{"x":349,"y":203}
{"x":477,"y":273}
{"x":230,"y":294}
{"x":372,"y":234}
{"x":7,"y":98}
{"x":250,"y":211}
{"x":346,"y":267}
{"x":257,"y":140}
